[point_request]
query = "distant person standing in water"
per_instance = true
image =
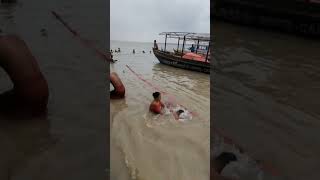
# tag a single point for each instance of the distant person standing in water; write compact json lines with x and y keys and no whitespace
{"x":133,"y":51}
{"x":192,"y":49}
{"x":111,"y":58}
{"x":150,"y":52}
{"x":119,"y":50}
{"x":155,"y":45}
{"x":156,"y":105}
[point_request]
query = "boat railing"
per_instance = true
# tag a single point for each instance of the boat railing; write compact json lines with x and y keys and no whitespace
{"x":200,"y":49}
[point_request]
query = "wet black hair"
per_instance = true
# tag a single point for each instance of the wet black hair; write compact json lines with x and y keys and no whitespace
{"x":156,"y":95}
{"x":180,"y":111}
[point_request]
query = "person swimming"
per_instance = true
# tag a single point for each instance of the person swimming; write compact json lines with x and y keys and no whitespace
{"x":177,"y":114}
{"x":182,"y":115}
{"x":111,"y":58}
{"x":156,"y":105}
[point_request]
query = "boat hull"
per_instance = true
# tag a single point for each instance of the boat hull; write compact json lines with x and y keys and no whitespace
{"x":297,"y":17}
{"x":175,"y":61}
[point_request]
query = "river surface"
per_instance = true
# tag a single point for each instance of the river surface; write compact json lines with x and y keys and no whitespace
{"x":146,"y":146}
{"x":270,"y":82}
{"x":70,"y":143}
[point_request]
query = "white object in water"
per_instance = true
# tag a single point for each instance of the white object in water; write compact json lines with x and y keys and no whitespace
{"x":167,"y":111}
{"x":185,"y":116}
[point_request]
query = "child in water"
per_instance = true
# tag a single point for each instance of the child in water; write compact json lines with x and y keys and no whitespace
{"x":182,"y":115}
{"x":156,"y":105}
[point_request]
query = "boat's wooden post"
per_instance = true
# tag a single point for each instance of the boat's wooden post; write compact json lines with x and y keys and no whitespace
{"x":197,"y":46}
{"x":208,"y":52}
{"x":165,"y":43}
{"x":178,"y":44}
{"x":184,"y":39}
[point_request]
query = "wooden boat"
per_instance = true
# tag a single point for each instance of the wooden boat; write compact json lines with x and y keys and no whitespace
{"x":180,"y":58}
{"x":296,"y":16}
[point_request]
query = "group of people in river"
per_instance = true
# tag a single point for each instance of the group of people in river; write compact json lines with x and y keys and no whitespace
{"x":111,"y":54}
{"x":156,"y":106}
{"x":119,"y":50}
{"x":116,"y":50}
{"x":134,"y":51}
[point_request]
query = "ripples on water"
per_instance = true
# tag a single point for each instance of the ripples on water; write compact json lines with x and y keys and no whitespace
{"x":158,"y":147}
{"x":270,"y":83}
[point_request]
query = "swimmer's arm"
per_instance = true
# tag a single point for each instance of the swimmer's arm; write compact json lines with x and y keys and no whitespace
{"x":175,"y":116}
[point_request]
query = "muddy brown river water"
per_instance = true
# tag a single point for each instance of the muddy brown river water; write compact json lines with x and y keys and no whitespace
{"x":270,"y":83}
{"x":158,"y":147}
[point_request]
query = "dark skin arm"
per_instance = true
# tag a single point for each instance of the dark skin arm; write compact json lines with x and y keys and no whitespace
{"x":162,"y":105}
{"x":175,"y":115}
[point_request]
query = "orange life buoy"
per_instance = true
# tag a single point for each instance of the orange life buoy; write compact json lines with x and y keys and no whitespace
{"x":119,"y":90}
{"x":30,"y":91}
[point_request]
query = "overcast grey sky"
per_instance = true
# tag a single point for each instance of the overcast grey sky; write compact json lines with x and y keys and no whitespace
{"x":143,"y":20}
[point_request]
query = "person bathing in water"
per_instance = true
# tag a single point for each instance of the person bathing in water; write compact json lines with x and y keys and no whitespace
{"x":156,"y":105}
{"x":180,"y":114}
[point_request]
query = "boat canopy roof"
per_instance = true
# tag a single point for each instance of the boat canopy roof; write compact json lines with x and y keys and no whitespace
{"x":188,"y":35}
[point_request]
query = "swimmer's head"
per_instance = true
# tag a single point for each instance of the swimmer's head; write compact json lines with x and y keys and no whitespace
{"x":156,"y":96}
{"x":180,"y":112}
